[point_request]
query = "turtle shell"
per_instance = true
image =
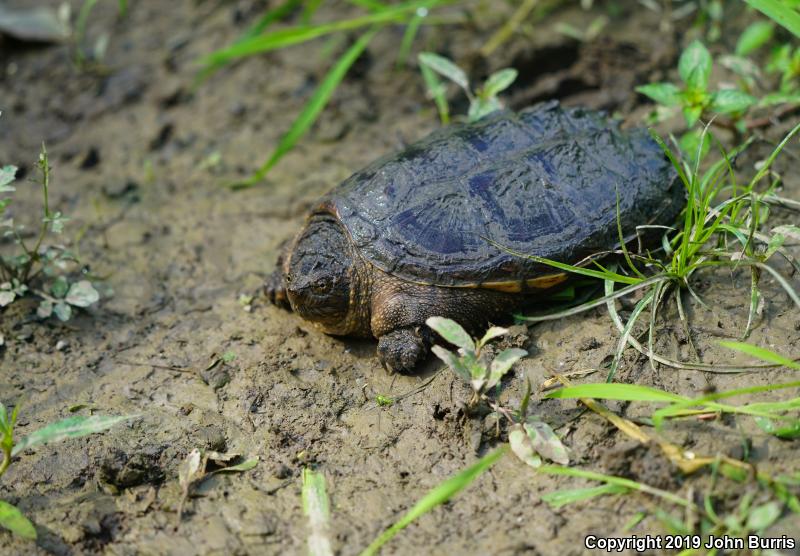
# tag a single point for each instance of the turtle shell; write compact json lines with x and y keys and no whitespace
{"x":544,"y":181}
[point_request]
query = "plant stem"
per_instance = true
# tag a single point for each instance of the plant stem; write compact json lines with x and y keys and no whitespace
{"x":6,"y":460}
{"x":33,"y":256}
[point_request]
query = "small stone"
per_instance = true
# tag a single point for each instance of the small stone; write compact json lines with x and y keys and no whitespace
{"x":62,"y":345}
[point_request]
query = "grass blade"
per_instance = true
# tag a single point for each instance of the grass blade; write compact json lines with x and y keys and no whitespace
{"x":14,"y":520}
{"x":312,"y":109}
{"x":780,"y":13}
{"x":71,"y":427}
{"x":626,"y":332}
{"x":317,"y":508}
{"x":439,"y":495}
{"x":624,"y":392}
{"x":570,"y":496}
{"x":762,"y":353}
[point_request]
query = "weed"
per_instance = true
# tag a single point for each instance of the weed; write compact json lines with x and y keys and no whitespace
{"x":482,"y":101}
{"x":317,"y":509}
{"x":471,"y":363}
{"x":72,"y":427}
{"x":40,"y":268}
{"x":722,"y":228}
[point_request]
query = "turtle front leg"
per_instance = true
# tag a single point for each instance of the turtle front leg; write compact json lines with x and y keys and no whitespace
{"x":276,"y":290}
{"x":403,"y":349}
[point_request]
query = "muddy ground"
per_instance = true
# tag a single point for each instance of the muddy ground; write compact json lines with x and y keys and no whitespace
{"x":139,"y":158}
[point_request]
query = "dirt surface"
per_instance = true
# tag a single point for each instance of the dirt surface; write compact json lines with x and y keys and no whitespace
{"x":139,"y":157}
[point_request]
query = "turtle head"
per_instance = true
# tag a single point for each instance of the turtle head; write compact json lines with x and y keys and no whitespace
{"x":318,"y":274}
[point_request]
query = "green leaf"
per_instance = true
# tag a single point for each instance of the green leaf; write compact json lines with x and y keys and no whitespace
{"x":665,"y":94}
{"x":499,"y":81}
{"x":761,"y":353}
{"x":452,"y":332}
{"x":763,"y":516}
{"x":7,"y":175}
{"x":729,"y":101}
{"x":13,"y":520}
{"x":312,"y":109}
{"x":503,"y":363}
{"x":545,"y":441}
{"x":563,"y":497}
{"x":59,"y":287}
{"x":445,"y":68}
{"x":779,"y":98}
{"x":755,"y":36}
{"x":82,"y":294}
{"x":45,"y":309}
{"x":480,"y":107}
{"x":780,"y":13}
{"x":694,"y":66}
{"x":491,"y":334}
{"x":62,"y":311}
{"x":452,"y":361}
{"x":246,"y":465}
{"x":437,"y":496}
{"x":690,"y":144}
{"x":616,"y":391}
{"x":692,"y":114}
{"x":71,"y":427}
{"x":522,"y":446}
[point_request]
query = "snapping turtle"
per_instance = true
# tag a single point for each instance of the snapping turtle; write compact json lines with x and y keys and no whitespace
{"x":419,"y":233}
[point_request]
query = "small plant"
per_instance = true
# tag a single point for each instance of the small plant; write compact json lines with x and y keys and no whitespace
{"x":41,"y":269}
{"x":471,"y":363}
{"x":693,"y":97}
{"x":72,"y":427}
{"x":482,"y":101}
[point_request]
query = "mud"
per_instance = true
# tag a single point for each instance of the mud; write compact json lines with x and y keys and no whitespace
{"x":139,"y":160}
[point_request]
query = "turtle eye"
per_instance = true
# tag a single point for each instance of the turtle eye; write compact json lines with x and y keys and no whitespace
{"x":319,"y":287}
{"x":288,"y":277}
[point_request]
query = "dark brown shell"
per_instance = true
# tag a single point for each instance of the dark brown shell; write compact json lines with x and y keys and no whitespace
{"x":544,"y":181}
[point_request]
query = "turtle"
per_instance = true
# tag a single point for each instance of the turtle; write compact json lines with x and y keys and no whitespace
{"x":437,"y":228}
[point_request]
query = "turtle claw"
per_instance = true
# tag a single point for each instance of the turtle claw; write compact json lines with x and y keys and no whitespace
{"x":402,"y":350}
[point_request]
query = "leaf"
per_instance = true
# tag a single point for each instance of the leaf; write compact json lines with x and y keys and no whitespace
{"x":6,"y":297}
{"x":690,"y":144}
{"x":787,"y":230}
{"x":452,"y":361}
{"x":615,"y":391}
{"x":317,"y":509}
{"x":435,"y":497}
{"x":563,"y":497}
{"x":189,"y":469}
{"x":691,"y":114}
{"x":82,"y":294}
{"x":480,"y":107}
{"x":761,"y":353}
{"x":32,"y":24}
{"x":71,"y":427}
{"x":499,"y":81}
{"x":780,"y":13}
{"x":665,"y":94}
{"x":246,"y":465}
{"x":59,"y":287}
{"x":503,"y":363}
{"x":545,"y":441}
{"x":445,"y":68}
{"x":491,"y":334}
{"x":45,"y":309}
{"x":775,"y":243}
{"x":694,"y":66}
{"x":452,"y":332}
{"x":7,"y":175}
{"x":13,"y":520}
{"x":522,"y":446}
{"x":729,"y":101}
{"x":755,"y":36}
{"x":312,"y":109}
{"x":763,"y":516}
{"x":62,"y":311}
{"x":779,"y":98}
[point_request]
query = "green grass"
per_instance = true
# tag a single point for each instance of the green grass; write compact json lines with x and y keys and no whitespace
{"x":721,"y":227}
{"x":259,"y":39}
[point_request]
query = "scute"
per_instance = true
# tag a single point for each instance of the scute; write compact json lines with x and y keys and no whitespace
{"x":545,"y":181}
